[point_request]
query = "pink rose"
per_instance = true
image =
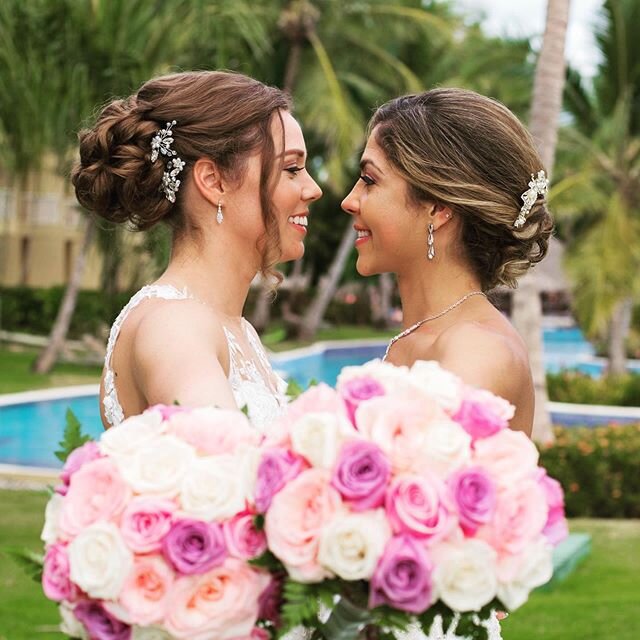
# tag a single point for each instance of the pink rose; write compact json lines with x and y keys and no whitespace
{"x":193,"y":546}
{"x":144,"y":593}
{"x":355,"y":391}
{"x":361,"y":474}
{"x":145,"y":521}
{"x":420,"y":506}
{"x":509,"y":456}
{"x":257,"y":633}
{"x":168,"y":410}
{"x":296,"y":519}
{"x":276,"y":468}
{"x":398,"y":425}
{"x":222,"y":603}
{"x":520,"y":516}
{"x":56,"y":582}
{"x":242,"y":538}
{"x":318,"y":399}
{"x":482,"y":413}
{"x":77,"y":458}
{"x":100,"y":623}
{"x":474,"y":494}
{"x":96,"y":492}
{"x":556,"y":528}
{"x":214,"y":431}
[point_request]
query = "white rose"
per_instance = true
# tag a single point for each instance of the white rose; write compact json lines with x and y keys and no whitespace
{"x":438,"y":383}
{"x":519,"y":574}
{"x":100,"y":561}
{"x":70,"y":625}
{"x":214,"y":488}
{"x":250,"y":459}
{"x":391,"y":377}
{"x":319,"y":436}
{"x":465,"y":574}
{"x":352,"y":544}
{"x":446,"y":447}
{"x":50,"y":531}
{"x":159,"y":466}
{"x":149,"y":633}
{"x":126,"y":439}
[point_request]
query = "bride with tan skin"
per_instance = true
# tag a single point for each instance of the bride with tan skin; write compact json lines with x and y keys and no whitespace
{"x":219,"y":157}
{"x":440,"y":203}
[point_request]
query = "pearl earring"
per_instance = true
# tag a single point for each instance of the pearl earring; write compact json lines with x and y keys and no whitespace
{"x":431,"y":249}
{"x":219,"y":216}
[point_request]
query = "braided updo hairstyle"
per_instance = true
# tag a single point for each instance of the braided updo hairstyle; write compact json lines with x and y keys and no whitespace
{"x":470,"y":153}
{"x":220,"y":115}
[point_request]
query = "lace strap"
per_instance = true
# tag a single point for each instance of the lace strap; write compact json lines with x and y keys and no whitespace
{"x":113,"y":412}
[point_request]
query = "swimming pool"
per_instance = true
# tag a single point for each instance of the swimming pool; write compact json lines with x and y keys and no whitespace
{"x":46,"y":417}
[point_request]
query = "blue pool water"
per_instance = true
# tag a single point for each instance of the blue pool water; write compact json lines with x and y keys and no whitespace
{"x":564,"y":348}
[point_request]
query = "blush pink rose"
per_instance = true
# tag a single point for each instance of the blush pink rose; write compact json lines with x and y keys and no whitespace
{"x":296,"y":519}
{"x":77,"y":458}
{"x":168,"y":410}
{"x":145,"y":592}
{"x":355,"y":391}
{"x":242,"y":538}
{"x":420,"y":506}
{"x":398,"y":425}
{"x":56,"y":582}
{"x":509,"y":456}
{"x":318,"y":399}
{"x":520,"y":516}
{"x":556,"y":528}
{"x":221,"y":604}
{"x":482,"y":413}
{"x":96,"y":492}
{"x":145,"y":521}
{"x":214,"y":431}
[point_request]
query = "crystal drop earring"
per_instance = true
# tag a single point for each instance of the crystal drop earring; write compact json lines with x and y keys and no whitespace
{"x":431,"y":249}
{"x":219,"y":216}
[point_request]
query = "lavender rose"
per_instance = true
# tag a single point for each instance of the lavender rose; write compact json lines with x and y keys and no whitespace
{"x":402,"y":578}
{"x":356,"y":391}
{"x":194,"y":547}
{"x":100,"y":624}
{"x":277,"y":468}
{"x":475,"y":496}
{"x":361,"y":474}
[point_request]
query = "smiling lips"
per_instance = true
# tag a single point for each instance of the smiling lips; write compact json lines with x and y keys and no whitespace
{"x":363,"y":235}
{"x":301,"y":222}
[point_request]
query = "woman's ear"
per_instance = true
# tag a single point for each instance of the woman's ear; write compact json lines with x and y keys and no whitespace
{"x":208,"y":180}
{"x":440,"y":214}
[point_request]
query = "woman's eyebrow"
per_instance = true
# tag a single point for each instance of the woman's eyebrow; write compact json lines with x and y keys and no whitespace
{"x":365,"y":161}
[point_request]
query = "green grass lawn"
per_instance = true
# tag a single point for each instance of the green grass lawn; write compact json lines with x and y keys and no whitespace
{"x":599,"y":601}
{"x":16,"y":374}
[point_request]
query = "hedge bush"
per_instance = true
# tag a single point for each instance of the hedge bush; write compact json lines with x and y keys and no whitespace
{"x":598,"y":468}
{"x":574,"y":386}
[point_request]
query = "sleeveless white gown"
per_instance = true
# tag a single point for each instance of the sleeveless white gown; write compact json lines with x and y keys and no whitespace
{"x":250,"y":389}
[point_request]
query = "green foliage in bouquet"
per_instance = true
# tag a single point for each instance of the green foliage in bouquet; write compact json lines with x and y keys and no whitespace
{"x":72,"y":437}
{"x":598,"y":469}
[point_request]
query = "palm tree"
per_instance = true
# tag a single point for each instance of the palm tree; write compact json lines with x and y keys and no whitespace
{"x":545,"y":112}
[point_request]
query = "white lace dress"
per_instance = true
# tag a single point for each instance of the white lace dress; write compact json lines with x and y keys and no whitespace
{"x":264,"y":398}
{"x":250,"y":389}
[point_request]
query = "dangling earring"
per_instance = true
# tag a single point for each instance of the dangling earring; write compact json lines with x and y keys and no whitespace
{"x":219,"y":216}
{"x":431,"y":249}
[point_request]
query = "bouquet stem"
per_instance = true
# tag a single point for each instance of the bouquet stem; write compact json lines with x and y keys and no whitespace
{"x":346,"y":621}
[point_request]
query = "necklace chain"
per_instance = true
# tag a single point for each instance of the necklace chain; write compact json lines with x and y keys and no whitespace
{"x":418,"y":324}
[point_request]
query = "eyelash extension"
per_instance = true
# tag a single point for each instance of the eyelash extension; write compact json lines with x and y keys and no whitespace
{"x":367,"y":180}
{"x":294,"y":170}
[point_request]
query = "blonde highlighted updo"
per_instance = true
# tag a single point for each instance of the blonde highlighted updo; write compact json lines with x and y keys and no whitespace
{"x":222,"y":116}
{"x":469,"y":152}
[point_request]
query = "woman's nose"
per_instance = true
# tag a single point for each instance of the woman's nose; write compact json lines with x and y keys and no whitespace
{"x":350,"y":203}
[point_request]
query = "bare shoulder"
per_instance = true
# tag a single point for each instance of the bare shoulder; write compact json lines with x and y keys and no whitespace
{"x":486,"y":355}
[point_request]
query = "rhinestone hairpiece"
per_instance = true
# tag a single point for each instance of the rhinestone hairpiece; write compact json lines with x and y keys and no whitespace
{"x":538,"y":186}
{"x":161,"y":145}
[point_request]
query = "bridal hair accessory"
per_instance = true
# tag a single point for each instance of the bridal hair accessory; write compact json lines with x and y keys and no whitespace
{"x":538,"y":186}
{"x":161,"y":145}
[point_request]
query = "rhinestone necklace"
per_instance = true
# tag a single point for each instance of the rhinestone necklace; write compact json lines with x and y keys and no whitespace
{"x":418,"y":324}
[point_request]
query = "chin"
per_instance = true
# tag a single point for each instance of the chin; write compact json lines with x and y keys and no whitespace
{"x":365,"y":268}
{"x":293,"y":252}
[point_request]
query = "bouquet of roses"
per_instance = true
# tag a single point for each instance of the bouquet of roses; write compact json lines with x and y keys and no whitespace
{"x":151,"y":531}
{"x":403,"y":498}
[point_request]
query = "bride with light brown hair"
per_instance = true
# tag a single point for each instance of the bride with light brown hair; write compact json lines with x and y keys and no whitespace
{"x":451,"y":198}
{"x":218,"y":157}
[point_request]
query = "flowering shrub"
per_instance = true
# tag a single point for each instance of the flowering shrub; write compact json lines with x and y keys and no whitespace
{"x":574,"y":386}
{"x":598,"y":468}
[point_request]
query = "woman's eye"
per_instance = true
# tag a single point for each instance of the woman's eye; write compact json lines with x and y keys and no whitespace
{"x":294,"y":170}
{"x":367,"y":180}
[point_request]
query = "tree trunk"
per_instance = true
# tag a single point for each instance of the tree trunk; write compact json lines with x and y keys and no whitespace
{"x":58,"y":335}
{"x":327,"y":286}
{"x":618,"y":332}
{"x":545,"y":112}
{"x":386,"y":294}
